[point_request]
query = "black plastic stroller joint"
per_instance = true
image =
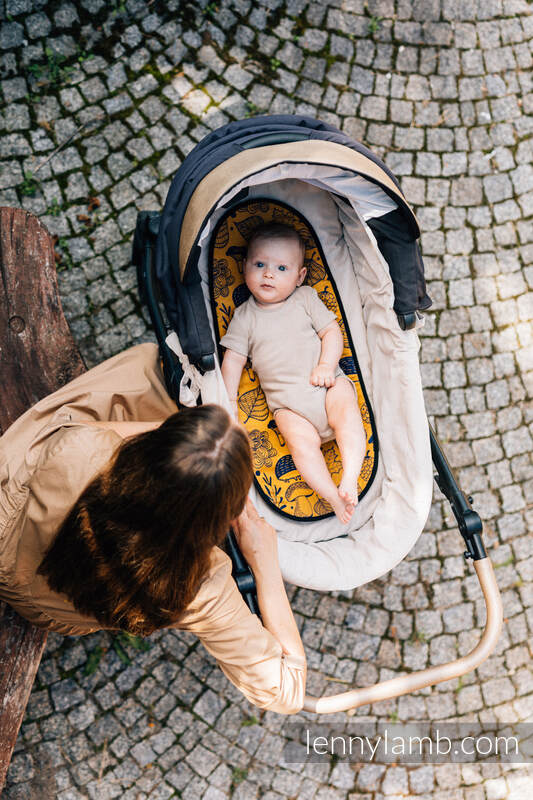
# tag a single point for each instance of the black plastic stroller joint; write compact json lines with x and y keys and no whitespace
{"x":407,"y":321}
{"x":468,"y":520}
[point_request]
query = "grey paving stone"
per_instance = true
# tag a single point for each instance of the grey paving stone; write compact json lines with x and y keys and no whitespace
{"x":118,"y":103}
{"x":66,"y":694}
{"x":142,"y":86}
{"x":18,"y":118}
{"x":12,"y":35}
{"x":82,"y":717}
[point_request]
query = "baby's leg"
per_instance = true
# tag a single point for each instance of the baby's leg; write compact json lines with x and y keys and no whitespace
{"x":345,"y":419}
{"x":303,"y":442}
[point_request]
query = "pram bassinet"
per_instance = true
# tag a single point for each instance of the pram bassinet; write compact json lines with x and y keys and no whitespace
{"x":368,"y":233}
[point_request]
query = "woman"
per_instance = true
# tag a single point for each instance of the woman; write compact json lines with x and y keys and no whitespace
{"x":112,"y":519}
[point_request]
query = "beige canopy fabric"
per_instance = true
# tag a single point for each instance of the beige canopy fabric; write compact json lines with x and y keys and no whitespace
{"x":251,"y":162}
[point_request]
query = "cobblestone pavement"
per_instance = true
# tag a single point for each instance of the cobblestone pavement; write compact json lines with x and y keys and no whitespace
{"x":442,"y":90}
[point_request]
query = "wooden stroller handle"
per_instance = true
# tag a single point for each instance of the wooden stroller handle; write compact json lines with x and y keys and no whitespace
{"x":405,"y":684}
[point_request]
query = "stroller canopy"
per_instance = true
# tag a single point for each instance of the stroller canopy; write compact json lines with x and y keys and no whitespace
{"x":238,"y":154}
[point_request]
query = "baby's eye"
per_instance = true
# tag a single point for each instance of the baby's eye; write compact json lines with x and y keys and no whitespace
{"x":282,"y":268}
{"x":259,"y":264}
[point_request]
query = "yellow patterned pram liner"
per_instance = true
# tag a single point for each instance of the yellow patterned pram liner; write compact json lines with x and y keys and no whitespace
{"x":276,"y":476}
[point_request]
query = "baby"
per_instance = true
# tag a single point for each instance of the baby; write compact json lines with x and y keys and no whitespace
{"x":295,"y":344}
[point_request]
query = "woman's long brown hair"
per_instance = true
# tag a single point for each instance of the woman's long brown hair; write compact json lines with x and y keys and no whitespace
{"x":133,"y":550}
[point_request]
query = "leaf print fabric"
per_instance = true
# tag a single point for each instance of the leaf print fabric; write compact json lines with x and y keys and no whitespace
{"x":276,"y":476}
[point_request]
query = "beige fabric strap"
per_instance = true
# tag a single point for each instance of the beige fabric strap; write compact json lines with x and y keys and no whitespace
{"x":220,"y":180}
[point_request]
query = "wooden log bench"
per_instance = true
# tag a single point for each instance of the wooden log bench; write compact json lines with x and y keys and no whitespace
{"x":37,"y":356}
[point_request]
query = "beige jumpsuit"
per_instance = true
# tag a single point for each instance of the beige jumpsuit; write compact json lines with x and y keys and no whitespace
{"x":284,"y":347}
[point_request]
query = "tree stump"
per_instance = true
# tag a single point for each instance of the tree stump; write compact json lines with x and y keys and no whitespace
{"x":37,"y":356}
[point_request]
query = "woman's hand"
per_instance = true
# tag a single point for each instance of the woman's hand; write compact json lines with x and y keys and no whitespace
{"x":256,"y":538}
{"x":259,"y":544}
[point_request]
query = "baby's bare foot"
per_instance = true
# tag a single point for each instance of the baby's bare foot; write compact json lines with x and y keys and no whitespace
{"x":343,"y":510}
{"x":348,"y":491}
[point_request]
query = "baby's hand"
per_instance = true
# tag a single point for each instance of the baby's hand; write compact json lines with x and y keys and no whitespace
{"x":322,"y":375}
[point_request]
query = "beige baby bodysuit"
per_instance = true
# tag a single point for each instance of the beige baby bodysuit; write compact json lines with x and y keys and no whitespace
{"x":283,"y":344}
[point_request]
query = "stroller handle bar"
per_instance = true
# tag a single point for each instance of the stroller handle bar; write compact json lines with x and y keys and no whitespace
{"x":403,"y":684}
{"x":470,"y":527}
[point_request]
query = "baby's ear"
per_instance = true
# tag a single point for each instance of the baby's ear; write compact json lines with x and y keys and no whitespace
{"x":301,"y":275}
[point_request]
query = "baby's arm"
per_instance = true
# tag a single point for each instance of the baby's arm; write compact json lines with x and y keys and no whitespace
{"x":232,"y":367}
{"x":332,"y":346}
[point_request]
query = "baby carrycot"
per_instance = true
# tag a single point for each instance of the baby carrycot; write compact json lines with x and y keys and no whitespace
{"x":363,"y":259}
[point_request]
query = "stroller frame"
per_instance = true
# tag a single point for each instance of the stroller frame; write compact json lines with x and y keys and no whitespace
{"x":468,"y":520}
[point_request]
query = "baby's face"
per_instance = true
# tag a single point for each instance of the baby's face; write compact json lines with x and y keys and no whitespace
{"x":273,"y":269}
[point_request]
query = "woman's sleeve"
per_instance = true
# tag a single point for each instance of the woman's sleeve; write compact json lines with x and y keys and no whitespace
{"x":236,"y":337}
{"x":248,"y":654}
